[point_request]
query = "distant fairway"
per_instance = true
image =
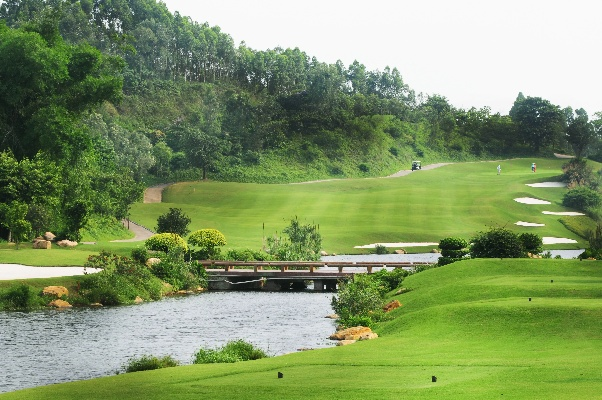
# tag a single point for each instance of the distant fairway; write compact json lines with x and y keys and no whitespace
{"x":470,"y":324}
{"x":424,"y":206}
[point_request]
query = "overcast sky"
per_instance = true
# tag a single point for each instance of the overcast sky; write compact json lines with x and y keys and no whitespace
{"x":475,"y":53}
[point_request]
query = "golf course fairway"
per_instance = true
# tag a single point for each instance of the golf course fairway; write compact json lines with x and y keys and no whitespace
{"x":424,"y":206}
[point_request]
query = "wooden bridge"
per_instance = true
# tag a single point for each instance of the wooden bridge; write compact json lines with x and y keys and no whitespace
{"x":289,"y":275}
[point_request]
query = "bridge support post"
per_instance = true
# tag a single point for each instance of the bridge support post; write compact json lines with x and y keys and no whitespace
{"x":318,"y":285}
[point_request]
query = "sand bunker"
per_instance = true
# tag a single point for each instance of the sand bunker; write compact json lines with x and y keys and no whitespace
{"x":547,"y":184}
{"x":565,"y":213}
{"x":16,"y":271}
{"x":523,"y":223}
{"x":530,"y":200}
{"x":400,"y":244}
{"x":555,"y":240}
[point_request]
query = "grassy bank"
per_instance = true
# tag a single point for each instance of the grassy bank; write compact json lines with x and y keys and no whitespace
{"x":470,"y":324}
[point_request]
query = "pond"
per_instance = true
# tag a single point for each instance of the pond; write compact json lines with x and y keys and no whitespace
{"x":45,"y":347}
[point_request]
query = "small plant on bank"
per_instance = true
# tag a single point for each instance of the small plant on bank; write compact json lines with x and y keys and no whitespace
{"x":180,"y":274}
{"x":233,"y":351}
{"x":359,"y":299}
{"x":148,"y":363}
{"x":452,"y":249}
{"x":20,"y":297}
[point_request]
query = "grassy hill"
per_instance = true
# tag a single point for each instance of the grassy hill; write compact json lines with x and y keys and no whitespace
{"x":425,"y":206}
{"x":470,"y":324}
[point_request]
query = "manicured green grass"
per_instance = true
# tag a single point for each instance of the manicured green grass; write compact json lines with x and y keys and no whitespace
{"x":425,"y":206}
{"x":470,"y":324}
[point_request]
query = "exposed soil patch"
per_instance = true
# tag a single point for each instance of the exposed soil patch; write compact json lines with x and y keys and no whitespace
{"x":154,"y":194}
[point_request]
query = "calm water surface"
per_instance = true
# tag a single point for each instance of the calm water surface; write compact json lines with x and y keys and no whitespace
{"x":41,"y":348}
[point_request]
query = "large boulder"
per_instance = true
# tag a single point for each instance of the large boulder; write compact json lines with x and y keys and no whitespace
{"x":67,"y":243}
{"x":49,"y":236}
{"x":56,"y":291}
{"x":350,"y":333}
{"x":59,"y":304}
{"x":42,"y":244}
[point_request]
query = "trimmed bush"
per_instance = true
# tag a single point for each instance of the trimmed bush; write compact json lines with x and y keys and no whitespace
{"x":452,"y":249}
{"x":165,"y":242}
{"x":209,"y":241}
{"x":173,"y":221}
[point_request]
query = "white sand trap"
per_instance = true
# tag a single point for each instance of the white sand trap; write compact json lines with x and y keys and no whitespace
{"x":548,"y":184}
{"x":16,"y":271}
{"x":555,"y":240}
{"x":531,"y":200}
{"x":523,"y":223}
{"x":566,"y":213}
{"x":373,"y":245}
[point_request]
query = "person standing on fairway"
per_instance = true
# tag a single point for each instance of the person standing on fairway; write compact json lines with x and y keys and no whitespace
{"x":499,"y":169}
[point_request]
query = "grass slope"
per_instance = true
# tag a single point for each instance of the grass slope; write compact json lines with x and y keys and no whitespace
{"x":425,"y":206}
{"x":470,"y":324}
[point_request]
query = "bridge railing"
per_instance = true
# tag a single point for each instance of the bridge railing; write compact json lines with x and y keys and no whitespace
{"x":304,"y":265}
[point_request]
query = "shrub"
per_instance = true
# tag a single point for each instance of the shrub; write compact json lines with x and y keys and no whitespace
{"x":497,"y":243}
{"x":179,"y":273}
{"x":209,"y":241}
{"x":140,"y":255}
{"x":532,"y":243}
{"x":577,"y":173}
{"x":165,"y":242}
{"x":360,"y":298}
{"x":389,"y":280}
{"x":380,"y":249}
{"x":173,"y":221}
{"x":303,"y":244}
{"x":452,"y":249}
{"x":20,"y":297}
{"x":247,"y":255}
{"x":452,"y":243}
{"x":582,"y":198}
{"x":233,"y":351}
{"x":120,"y":281}
{"x":147,"y":363}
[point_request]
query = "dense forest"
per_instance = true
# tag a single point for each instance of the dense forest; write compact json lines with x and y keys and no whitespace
{"x":99,"y":98}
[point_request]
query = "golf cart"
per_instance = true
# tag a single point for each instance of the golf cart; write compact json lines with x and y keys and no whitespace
{"x":415,"y":165}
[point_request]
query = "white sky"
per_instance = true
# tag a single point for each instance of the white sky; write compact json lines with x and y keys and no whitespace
{"x":475,"y":53}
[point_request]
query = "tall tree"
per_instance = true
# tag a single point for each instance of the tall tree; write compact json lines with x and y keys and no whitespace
{"x":579,"y":132}
{"x":540,"y":123}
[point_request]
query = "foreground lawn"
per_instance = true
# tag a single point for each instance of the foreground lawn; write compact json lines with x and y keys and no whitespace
{"x":470,"y":324}
{"x":425,"y":206}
